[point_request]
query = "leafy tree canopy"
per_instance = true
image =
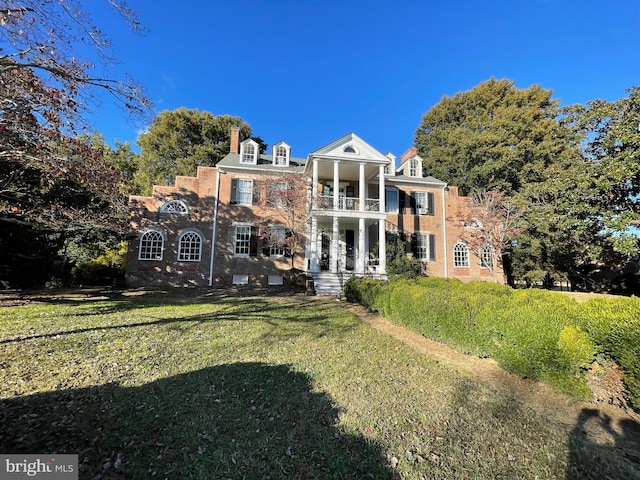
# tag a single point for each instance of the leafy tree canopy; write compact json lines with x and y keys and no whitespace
{"x":179,"y":141}
{"x":493,"y":136}
{"x":53,"y":186}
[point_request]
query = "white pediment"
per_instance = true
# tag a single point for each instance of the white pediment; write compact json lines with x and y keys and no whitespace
{"x":350,"y":147}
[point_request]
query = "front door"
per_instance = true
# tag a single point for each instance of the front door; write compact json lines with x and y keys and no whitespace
{"x":325,"y":252}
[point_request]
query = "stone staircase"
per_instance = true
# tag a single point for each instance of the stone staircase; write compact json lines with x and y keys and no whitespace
{"x":327,"y":283}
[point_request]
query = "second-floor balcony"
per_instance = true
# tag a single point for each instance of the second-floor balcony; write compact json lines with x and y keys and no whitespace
{"x":326,"y":202}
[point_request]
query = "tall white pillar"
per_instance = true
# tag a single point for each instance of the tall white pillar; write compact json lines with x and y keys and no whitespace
{"x":381,"y":193}
{"x":336,"y":185}
{"x":314,"y":188}
{"x":362,"y":188}
{"x":335,"y":244}
{"x":313,"y":252}
{"x":382,"y":247}
{"x":362,"y":257}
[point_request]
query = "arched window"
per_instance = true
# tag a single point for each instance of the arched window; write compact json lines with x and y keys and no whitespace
{"x":349,"y":149}
{"x":486,"y":257}
{"x":151,"y":246}
{"x":249,"y":152}
{"x":280,"y":156}
{"x":190,"y":247}
{"x":460,"y":255}
{"x":174,"y":206}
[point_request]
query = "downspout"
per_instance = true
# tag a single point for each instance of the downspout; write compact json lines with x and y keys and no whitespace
{"x":444,"y":230}
{"x":214,"y":227}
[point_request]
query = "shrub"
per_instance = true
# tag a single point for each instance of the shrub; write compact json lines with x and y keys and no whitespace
{"x":104,"y":269}
{"x":534,"y":333}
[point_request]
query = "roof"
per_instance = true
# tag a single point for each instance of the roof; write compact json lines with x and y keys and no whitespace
{"x":264,"y":164}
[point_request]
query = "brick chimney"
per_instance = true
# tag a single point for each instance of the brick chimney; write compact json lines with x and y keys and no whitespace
{"x":408,"y":154}
{"x":235,"y":140}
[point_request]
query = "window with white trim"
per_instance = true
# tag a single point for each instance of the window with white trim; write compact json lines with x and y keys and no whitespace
{"x":486,"y":257}
{"x":277,"y":242}
{"x":151,"y":246}
{"x":280,"y":157}
{"x":461,"y":255}
{"x":426,"y":247}
{"x":414,"y":165}
{"x":245,"y":192}
{"x":242,"y":241}
{"x":174,"y":206}
{"x":248,"y":152}
{"x":424,"y":203}
{"x":190,"y":247}
{"x":391,"y":200}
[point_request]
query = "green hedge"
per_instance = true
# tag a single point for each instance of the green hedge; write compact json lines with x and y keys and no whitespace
{"x":536,"y":334}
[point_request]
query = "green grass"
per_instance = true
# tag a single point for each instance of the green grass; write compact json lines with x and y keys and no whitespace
{"x":187,"y":385}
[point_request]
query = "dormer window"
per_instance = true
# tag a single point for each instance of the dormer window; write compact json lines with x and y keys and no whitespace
{"x":249,"y":152}
{"x":281,"y":154}
{"x":414,"y":168}
{"x":349,"y":149}
{"x":390,"y":168}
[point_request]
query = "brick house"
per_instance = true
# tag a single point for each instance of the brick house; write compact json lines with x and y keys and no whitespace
{"x":208,"y":230}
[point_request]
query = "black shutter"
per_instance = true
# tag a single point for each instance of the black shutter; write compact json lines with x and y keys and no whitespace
{"x":412,"y":199}
{"x":401,"y":201}
{"x":430,"y":207}
{"x":432,"y":247}
{"x":414,"y":245}
{"x":234,"y":191}
{"x":253,"y":242}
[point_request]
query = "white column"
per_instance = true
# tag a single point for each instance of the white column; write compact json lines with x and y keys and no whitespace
{"x":382,"y":247}
{"x":335,"y":250}
{"x":362,"y":188}
{"x":315,"y":266}
{"x":381,"y":193}
{"x":336,"y":185}
{"x":362,"y":257}
{"x":314,"y":188}
{"x":382,"y":237}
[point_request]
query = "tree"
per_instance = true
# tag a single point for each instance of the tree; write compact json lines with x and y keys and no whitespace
{"x":493,"y":136}
{"x":52,"y":185}
{"x":179,"y":141}
{"x":44,"y":88}
{"x":493,"y":222}
{"x":121,"y":156}
{"x":610,"y":185}
{"x":286,"y":208}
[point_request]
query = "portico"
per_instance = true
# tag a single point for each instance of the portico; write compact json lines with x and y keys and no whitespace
{"x":348,"y":213}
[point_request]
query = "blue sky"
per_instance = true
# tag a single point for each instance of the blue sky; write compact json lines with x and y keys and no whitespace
{"x":308,"y":72}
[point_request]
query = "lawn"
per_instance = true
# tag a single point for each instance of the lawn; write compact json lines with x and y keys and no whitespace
{"x":190,"y":384}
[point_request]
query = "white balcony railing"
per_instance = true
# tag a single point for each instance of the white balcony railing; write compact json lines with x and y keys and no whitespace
{"x":325,"y":202}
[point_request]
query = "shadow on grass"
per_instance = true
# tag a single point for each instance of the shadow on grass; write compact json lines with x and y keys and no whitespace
{"x":245,"y":420}
{"x":598,"y":449}
{"x":245,"y":308}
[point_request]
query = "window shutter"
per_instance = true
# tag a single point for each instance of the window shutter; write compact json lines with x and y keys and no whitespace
{"x":432,"y":247}
{"x":414,"y":244}
{"x":234,"y":191}
{"x":256,"y":194}
{"x":412,"y":199}
{"x":253,"y":243}
{"x":430,"y":206}
{"x":401,"y":201}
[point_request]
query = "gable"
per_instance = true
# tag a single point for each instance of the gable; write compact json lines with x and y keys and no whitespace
{"x":342,"y":148}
